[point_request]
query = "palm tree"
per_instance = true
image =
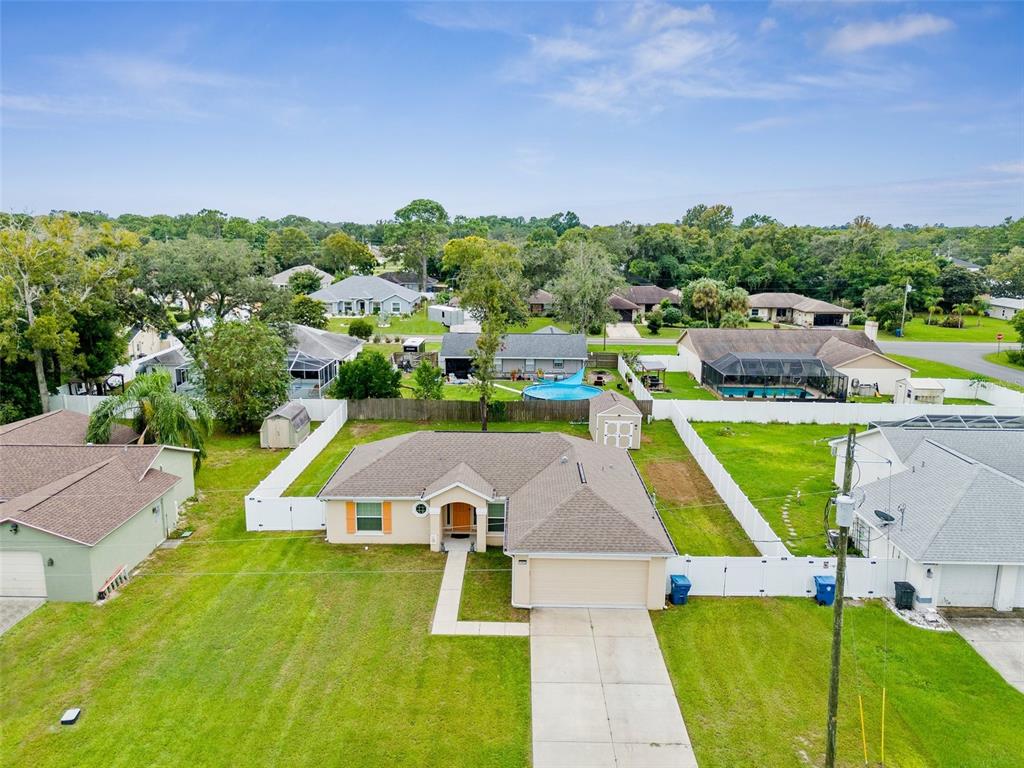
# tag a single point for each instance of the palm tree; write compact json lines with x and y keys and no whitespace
{"x":960,"y":310}
{"x":934,"y":309}
{"x":158,"y":414}
{"x":981,"y":306}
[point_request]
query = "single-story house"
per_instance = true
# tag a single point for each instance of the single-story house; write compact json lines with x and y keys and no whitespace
{"x":145,"y":340}
{"x":176,"y":362}
{"x":314,"y":356}
{"x":540,"y":302}
{"x":574,"y":516}
{"x":822,"y":362}
{"x":615,"y":420}
{"x":1004,"y":307}
{"x":553,"y":355}
{"x":75,"y":519}
{"x":945,"y":494}
{"x":361,"y":295}
{"x":970,"y":266}
{"x":281,"y":278}
{"x":647,"y":297}
{"x":624,"y":308}
{"x":409,"y":280}
{"x":794,"y":309}
{"x":285,"y":427}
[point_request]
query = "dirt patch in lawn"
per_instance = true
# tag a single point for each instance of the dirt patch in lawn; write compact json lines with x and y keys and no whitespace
{"x":680,"y":481}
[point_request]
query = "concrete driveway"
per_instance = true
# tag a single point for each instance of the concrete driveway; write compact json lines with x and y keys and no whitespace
{"x":962,"y":354}
{"x":601,"y":694}
{"x":14,"y":609}
{"x":622,"y":331}
{"x":1000,"y":642}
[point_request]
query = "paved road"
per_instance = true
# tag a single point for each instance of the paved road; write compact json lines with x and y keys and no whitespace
{"x":963,"y":354}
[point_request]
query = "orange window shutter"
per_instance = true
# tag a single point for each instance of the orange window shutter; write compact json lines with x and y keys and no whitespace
{"x":387,"y":516}
{"x":350,"y":516}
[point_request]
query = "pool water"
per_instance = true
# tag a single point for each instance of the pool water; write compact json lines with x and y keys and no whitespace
{"x":792,"y":392}
{"x":561,"y":392}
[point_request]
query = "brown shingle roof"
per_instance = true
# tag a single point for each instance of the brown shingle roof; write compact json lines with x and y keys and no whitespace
{"x":649,"y":294}
{"x":540,"y":296}
{"x":58,"y":428}
{"x":618,"y":302}
{"x":550,"y":507}
{"x":794,"y":301}
{"x":610,"y":399}
{"x":838,"y":345}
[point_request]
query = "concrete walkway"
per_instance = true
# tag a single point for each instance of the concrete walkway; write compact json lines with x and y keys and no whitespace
{"x":622,"y":331}
{"x":601,"y":695}
{"x":1000,"y":642}
{"x":446,"y":614}
{"x":14,"y":609}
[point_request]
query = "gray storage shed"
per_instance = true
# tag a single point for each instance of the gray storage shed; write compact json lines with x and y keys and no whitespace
{"x":285,"y":426}
{"x":615,"y":420}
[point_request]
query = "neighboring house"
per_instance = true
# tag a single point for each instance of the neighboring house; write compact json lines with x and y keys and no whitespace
{"x":615,"y":420}
{"x":144,"y":341}
{"x":970,"y":266}
{"x":737,"y":361}
{"x":624,"y":308}
{"x":281,"y":278}
{"x":285,"y":427}
{"x":409,"y":280}
{"x":313,"y":359}
{"x":540,"y":302}
{"x":946,"y":494}
{"x":794,"y":309}
{"x":76,"y":519}
{"x":647,"y":297}
{"x":361,"y":295}
{"x":574,"y":516}
{"x":1003,"y":307}
{"x":555,"y":355}
{"x":176,"y":362}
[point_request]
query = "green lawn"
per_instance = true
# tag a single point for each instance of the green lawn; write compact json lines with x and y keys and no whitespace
{"x":667,"y":332}
{"x":536,"y":323}
{"x":406,"y":325}
{"x":680,"y":385}
{"x":931,"y":369}
{"x":751,"y":675}
{"x":1000,"y":358}
{"x":975,"y":329}
{"x":262,"y":649}
{"x":487,"y":589}
{"x":771,"y":462}
{"x":696,"y":518}
{"x":640,"y":349}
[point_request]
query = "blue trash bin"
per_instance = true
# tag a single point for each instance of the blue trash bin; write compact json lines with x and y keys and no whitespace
{"x":825,"y":590}
{"x":680,"y":589}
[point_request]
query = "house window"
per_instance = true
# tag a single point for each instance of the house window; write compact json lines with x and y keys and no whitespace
{"x":420,"y":510}
{"x":558,"y":364}
{"x":396,"y":308}
{"x":755,"y":312}
{"x":496,"y":517}
{"x":531,"y":364}
{"x":347,"y":308}
{"x":369,"y":516}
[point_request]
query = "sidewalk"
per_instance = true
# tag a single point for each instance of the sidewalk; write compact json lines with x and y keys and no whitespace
{"x":446,"y":614}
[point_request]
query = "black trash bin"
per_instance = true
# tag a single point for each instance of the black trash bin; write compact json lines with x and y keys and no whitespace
{"x":680,"y":589}
{"x":904,"y":595}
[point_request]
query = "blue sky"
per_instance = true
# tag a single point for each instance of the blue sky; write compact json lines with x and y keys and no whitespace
{"x":810,"y":112}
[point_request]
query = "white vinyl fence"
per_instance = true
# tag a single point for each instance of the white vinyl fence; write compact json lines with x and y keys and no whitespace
{"x":784,"y":576}
{"x":746,"y":514}
{"x":671,"y":362}
{"x":633,"y":381}
{"x":78,"y":403}
{"x":265,"y":508}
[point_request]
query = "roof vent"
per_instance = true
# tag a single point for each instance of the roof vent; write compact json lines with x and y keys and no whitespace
{"x":563,"y":460}
{"x":583,"y":475}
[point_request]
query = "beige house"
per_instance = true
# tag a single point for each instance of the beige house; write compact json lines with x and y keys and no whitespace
{"x":794,"y":309}
{"x":615,"y":420}
{"x":850,"y":353}
{"x":574,"y":516}
{"x":285,"y":427}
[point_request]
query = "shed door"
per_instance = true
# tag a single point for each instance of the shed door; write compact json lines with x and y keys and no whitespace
{"x":968,"y":585}
{"x":618,"y":433}
{"x":22,"y":575}
{"x":564,"y":582}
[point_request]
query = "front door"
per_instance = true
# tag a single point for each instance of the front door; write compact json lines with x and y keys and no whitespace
{"x":462,"y":517}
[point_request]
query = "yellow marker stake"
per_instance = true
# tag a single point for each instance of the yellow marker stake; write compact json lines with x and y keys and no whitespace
{"x":883,"y":726}
{"x":863,"y":733}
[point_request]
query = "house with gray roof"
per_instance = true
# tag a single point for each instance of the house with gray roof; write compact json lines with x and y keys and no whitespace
{"x":1004,"y":307}
{"x":361,"y":295}
{"x":75,"y":518}
{"x":551,"y":354}
{"x":794,"y":309}
{"x":314,"y":356}
{"x":281,"y":278}
{"x":945,"y":494}
{"x":574,"y":516}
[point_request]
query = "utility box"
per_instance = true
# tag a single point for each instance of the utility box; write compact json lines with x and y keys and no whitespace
{"x":824,"y":589}
{"x":904,"y":595}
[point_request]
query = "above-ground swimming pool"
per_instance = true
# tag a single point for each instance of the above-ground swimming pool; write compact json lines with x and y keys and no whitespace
{"x":571,"y":388}
{"x":795,"y":393}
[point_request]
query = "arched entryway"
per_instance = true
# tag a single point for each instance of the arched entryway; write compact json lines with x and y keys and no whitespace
{"x":459,"y":519}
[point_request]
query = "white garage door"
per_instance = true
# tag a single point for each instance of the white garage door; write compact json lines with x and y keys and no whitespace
{"x":968,"y":585}
{"x":618,"y":433}
{"x":564,"y":582}
{"x":21,"y":574}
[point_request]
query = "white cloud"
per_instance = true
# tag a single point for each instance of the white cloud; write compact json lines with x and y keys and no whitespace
{"x":767,"y":25}
{"x":765,"y":123}
{"x":653,"y":17}
{"x":563,"y":49}
{"x":859,"y":36}
{"x":1014,"y":167}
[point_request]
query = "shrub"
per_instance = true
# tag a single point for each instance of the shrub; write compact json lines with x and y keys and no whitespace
{"x":369,"y":375}
{"x":733,"y":320}
{"x":361,"y":328}
{"x":655,"y":319}
{"x":673,"y":316}
{"x":427,"y":382}
{"x":858,"y":317}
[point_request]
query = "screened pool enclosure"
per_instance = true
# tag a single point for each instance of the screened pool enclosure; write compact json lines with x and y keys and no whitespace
{"x":778,"y":376}
{"x":310,"y":375}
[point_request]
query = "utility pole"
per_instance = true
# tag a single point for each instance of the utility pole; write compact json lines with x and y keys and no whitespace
{"x":903,"y":319}
{"x":844,"y":518}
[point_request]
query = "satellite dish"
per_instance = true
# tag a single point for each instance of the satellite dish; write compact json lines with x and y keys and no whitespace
{"x":885,"y":517}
